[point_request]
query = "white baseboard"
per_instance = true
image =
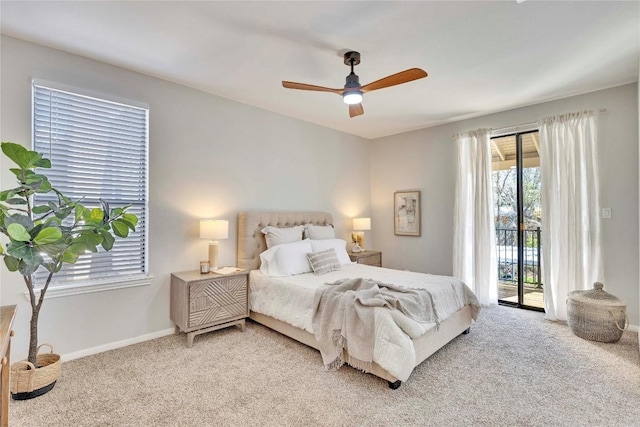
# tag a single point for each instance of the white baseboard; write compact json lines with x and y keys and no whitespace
{"x":118,"y":344}
{"x":634,"y":328}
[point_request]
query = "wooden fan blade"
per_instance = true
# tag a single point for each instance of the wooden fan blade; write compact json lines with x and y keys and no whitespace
{"x":355,"y":110}
{"x":304,"y":86}
{"x":395,"y":79}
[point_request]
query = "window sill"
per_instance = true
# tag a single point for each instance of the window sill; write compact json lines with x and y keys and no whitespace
{"x":90,"y":286}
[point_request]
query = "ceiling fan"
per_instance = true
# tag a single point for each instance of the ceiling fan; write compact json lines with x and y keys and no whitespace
{"x":352,"y":91}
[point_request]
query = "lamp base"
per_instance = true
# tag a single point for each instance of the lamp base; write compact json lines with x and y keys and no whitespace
{"x":358,"y":238}
{"x":213,"y":255}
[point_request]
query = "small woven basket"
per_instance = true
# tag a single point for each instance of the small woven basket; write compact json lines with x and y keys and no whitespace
{"x":26,"y":378}
{"x":597,"y":315}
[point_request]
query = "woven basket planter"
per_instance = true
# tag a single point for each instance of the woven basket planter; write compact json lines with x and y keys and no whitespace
{"x":28,"y":382}
{"x":597,"y":315}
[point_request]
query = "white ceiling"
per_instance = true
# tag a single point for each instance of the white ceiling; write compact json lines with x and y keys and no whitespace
{"x":481,"y":57}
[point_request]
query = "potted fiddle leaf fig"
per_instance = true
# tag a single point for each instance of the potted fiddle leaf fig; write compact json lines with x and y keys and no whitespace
{"x":44,"y":237}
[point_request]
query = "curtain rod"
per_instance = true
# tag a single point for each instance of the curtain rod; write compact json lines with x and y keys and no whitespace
{"x":523,"y":126}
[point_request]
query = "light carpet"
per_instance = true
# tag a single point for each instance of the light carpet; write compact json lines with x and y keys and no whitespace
{"x":514,"y":368}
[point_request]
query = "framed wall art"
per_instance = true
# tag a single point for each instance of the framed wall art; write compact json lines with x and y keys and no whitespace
{"x":406,"y":213}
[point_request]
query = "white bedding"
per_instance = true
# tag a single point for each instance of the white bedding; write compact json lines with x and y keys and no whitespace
{"x":291,"y":300}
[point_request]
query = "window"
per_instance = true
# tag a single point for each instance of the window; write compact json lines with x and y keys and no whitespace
{"x":98,"y":149}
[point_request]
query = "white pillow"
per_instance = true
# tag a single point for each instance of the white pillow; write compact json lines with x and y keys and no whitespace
{"x":338,"y":245}
{"x":286,"y":259}
{"x":277,"y":236}
{"x":319,"y":232}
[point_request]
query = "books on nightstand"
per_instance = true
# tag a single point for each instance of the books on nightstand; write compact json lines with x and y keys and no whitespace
{"x":226,"y":270}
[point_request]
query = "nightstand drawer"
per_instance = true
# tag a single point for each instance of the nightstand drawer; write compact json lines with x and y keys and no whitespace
{"x":374,"y":260}
{"x":216,"y":314}
{"x":217,"y":300}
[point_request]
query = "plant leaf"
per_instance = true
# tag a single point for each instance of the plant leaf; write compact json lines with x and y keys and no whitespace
{"x":53,"y":249}
{"x":17,"y":153}
{"x":95,"y":216}
{"x":53,"y":220}
{"x":11,"y":263}
{"x":24,"y":158}
{"x":63,"y":213}
{"x":7,"y":194}
{"x":70,"y":256}
{"x":80,"y":212}
{"x":120,"y":228}
{"x":35,"y":230}
{"x":43,"y":163}
{"x":26,"y":254}
{"x":18,"y":232}
{"x":48,"y":235}
{"x":107,"y":239}
{"x":131,"y":219}
{"x":45,"y":187}
{"x":90,"y":240}
{"x":18,"y":249}
{"x":24,"y":220}
{"x":16,"y":201}
{"x":34,"y":178}
{"x":27,"y":269}
{"x":17,"y":172}
{"x":41,"y":209}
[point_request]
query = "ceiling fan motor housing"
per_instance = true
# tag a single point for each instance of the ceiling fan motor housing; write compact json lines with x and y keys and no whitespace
{"x":353,"y":82}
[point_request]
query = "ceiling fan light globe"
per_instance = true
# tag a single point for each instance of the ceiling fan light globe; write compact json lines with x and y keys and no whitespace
{"x":354,"y":97}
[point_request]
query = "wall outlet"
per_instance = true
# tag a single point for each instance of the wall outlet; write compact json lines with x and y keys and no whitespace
{"x":606,"y":213}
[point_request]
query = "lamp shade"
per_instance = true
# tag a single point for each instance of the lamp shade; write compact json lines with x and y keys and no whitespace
{"x":361,"y":224}
{"x":214,"y":229}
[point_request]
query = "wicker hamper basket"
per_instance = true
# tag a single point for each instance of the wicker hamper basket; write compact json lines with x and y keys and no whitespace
{"x":28,"y":381}
{"x":597,"y":315}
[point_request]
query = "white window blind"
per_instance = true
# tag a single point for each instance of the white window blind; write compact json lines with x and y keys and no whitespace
{"x":98,"y":149}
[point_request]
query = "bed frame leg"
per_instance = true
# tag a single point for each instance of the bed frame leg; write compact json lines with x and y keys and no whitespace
{"x":466,"y":331}
{"x":395,"y":385}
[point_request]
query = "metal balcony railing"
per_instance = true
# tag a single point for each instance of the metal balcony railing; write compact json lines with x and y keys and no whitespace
{"x":507,"y":255}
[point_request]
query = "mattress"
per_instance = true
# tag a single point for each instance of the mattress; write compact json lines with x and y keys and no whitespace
{"x":290,"y":299}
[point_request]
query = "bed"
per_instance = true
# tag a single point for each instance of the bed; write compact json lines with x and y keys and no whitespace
{"x":293,"y":318}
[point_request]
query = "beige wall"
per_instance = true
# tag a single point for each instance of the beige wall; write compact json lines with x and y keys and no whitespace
{"x":426,"y":160}
{"x":209,"y":157}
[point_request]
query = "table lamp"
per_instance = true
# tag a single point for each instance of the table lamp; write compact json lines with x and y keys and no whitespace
{"x":360,"y":225}
{"x":214,"y":230}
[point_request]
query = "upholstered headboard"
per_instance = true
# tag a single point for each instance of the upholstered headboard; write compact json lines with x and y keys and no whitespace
{"x":251,"y":241}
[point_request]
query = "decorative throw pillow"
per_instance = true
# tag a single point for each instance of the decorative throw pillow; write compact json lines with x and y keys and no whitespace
{"x":338,"y":245}
{"x":319,"y":232}
{"x":324,"y":261}
{"x":277,"y":236}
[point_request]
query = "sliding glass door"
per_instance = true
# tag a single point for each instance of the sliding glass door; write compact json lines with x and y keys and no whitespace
{"x":517,"y":213}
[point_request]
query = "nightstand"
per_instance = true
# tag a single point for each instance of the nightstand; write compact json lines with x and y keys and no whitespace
{"x":367,"y":257}
{"x":203,"y":303}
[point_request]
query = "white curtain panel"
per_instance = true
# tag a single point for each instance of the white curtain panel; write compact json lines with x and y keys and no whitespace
{"x":571,"y":257}
{"x":474,"y":246}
